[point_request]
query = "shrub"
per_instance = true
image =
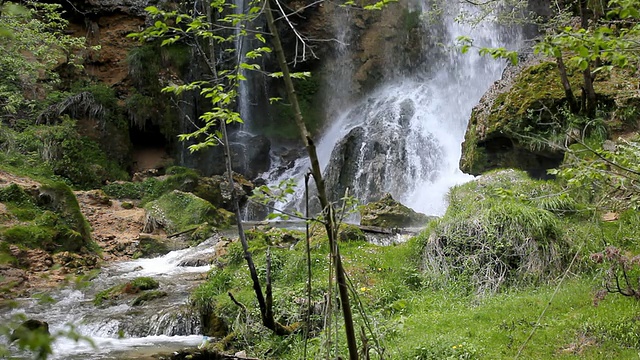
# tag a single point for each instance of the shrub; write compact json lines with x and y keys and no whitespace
{"x":493,"y":235}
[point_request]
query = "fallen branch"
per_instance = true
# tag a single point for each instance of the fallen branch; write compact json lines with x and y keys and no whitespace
{"x":182,"y":232}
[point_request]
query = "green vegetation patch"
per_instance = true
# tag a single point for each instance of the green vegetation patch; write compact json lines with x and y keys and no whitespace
{"x":49,"y":218}
{"x":496,"y":233}
{"x":132,"y":287}
{"x":176,"y":178}
{"x":55,"y":152}
{"x":177,"y":211}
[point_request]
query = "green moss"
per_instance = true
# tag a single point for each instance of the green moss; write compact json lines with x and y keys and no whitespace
{"x":178,"y":211}
{"x":124,"y":190}
{"x":16,"y":195}
{"x":127,"y":205}
{"x":51,"y":218}
{"x":148,"y":296}
{"x":132,"y":287}
{"x":144,"y":283}
{"x":64,"y":202}
{"x":30,"y":236}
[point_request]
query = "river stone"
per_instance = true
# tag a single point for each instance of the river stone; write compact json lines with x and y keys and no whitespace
{"x":388,"y":213}
{"x":152,"y":245}
{"x":28,"y":328}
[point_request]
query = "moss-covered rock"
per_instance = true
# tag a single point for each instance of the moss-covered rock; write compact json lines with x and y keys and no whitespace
{"x":46,"y":217}
{"x":215,"y":326}
{"x":177,"y":211}
{"x":349,"y":232}
{"x":499,"y":230}
{"x":522,"y":115}
{"x":132,"y":287}
{"x":148,"y":296}
{"x":389,"y":213}
{"x":151,"y":246}
{"x":215,"y":189}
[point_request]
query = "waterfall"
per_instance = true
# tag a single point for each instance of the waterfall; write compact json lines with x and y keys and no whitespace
{"x":404,"y":138}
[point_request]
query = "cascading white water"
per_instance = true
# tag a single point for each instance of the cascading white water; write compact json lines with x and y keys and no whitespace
{"x":164,"y":324}
{"x":405,"y":137}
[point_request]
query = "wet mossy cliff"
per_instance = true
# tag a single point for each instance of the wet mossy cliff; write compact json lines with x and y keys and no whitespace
{"x":523,"y":120}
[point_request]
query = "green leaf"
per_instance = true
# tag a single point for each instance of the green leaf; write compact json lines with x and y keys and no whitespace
{"x":152,"y":10}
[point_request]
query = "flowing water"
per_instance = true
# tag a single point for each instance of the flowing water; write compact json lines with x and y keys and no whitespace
{"x":405,"y":137}
{"x":163,"y":324}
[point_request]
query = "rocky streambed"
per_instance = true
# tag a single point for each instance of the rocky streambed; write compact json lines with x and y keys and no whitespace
{"x":123,"y":323}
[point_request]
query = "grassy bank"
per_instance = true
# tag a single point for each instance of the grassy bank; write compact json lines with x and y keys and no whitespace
{"x":425,"y":299}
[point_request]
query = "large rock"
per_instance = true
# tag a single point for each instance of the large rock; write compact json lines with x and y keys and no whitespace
{"x":520,"y":117}
{"x":385,"y":154}
{"x":215,"y":189}
{"x":388,"y":213}
{"x":177,"y":211}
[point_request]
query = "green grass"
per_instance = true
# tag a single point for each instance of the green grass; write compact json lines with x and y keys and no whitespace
{"x":416,"y":318}
{"x":415,"y":315}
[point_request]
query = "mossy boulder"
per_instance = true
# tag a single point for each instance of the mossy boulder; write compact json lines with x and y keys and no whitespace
{"x":388,"y":213}
{"x":215,"y":189}
{"x":349,"y":232}
{"x":523,"y":114}
{"x":499,"y":230}
{"x":151,"y":246}
{"x":148,"y":296}
{"x":177,"y":211}
{"x":131,"y":287}
{"x":273,"y":236}
{"x":46,"y":217}
{"x":215,"y":326}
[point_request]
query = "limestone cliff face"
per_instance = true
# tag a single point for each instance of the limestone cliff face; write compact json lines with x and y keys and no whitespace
{"x":353,"y":51}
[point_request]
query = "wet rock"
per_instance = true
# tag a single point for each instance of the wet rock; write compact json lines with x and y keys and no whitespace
{"x":385,"y":154}
{"x":94,"y":197}
{"x":250,"y":154}
{"x":32,"y":259}
{"x":28,"y":328}
{"x":178,"y":211}
{"x":145,"y":174}
{"x":151,"y":246}
{"x":148,"y":296}
{"x":388,"y":213}
{"x":195,"y":354}
{"x":215,"y":189}
{"x":76,"y":261}
{"x":197,"y":261}
{"x":11,"y":279}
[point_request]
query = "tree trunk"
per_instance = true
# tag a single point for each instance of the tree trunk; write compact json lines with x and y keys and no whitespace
{"x":589,"y":93}
{"x":566,"y":85}
{"x":265,"y":305}
{"x":328,"y":213}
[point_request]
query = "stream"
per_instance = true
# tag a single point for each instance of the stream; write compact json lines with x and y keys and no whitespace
{"x":125,"y":331}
